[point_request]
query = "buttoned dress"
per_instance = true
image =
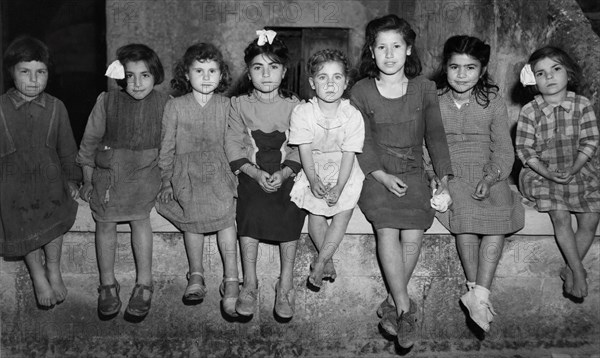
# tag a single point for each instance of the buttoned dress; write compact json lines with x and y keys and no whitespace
{"x":37,"y":159}
{"x":480,"y":144}
{"x":555,"y":135}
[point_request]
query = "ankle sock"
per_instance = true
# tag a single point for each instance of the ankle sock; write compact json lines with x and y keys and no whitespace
{"x":470,"y":285}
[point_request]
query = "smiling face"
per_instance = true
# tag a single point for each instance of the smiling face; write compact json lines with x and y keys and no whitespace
{"x":30,"y":78}
{"x":140,"y":81}
{"x":265,"y":74}
{"x":329,"y":82}
{"x":204,"y":76}
{"x":463,"y":72}
{"x":551,"y":77}
{"x":390,"y":52}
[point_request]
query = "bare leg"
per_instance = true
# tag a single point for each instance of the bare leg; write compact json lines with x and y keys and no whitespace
{"x":287,"y":253}
{"x":584,"y":236}
{"x":194,"y":248}
{"x":227,"y":241}
{"x":53,"y":251}
{"x":106,"y":248}
{"x":468,"y":251}
{"x":490,"y":253}
{"x":398,"y":261}
{"x":141,"y":238}
{"x":249,"y":251}
{"x":317,"y":228}
{"x":43,"y":290}
{"x":333,"y":236}
{"x":567,"y":245}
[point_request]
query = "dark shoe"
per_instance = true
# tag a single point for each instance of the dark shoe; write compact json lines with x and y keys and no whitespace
{"x":138,"y":305}
{"x":109,"y":302}
{"x":388,"y":315}
{"x":407,"y":327}
{"x":195,"y":292}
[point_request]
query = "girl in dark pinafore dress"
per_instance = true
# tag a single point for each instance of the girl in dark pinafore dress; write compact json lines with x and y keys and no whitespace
{"x":119,"y":156}
{"x":38,"y":175}
{"x":257,"y":148}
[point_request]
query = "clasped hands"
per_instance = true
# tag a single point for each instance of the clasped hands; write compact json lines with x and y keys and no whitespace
{"x":331,"y":194}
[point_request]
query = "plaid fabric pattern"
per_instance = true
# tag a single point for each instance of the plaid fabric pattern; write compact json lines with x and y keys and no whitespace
{"x":555,"y":136}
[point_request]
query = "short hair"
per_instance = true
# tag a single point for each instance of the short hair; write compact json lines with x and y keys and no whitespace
{"x":140,"y":52}
{"x":477,"y":49}
{"x":25,"y":49}
{"x":391,"y":22}
{"x":560,"y":56}
{"x":200,"y":52}
{"x":319,"y":58}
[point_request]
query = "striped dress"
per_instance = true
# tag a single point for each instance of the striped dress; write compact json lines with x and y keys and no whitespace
{"x":479,"y":143}
{"x":555,"y":136}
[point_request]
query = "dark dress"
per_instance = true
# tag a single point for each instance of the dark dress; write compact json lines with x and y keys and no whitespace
{"x":121,"y":143}
{"x":37,"y":158}
{"x":258,"y":134}
{"x":394,"y":133}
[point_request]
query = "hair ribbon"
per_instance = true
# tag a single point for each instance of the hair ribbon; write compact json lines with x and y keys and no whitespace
{"x":527,"y":77}
{"x":265,"y":36}
{"x":115,"y":70}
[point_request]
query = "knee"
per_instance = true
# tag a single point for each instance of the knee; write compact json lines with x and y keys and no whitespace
{"x":561,"y":219}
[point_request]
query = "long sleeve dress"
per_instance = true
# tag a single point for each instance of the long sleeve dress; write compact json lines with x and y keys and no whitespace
{"x":192,"y":158}
{"x":394,"y":132}
{"x":480,"y":144}
{"x":258,"y":133}
{"x":555,"y":136}
{"x":37,"y":158}
{"x":329,"y":138}
{"x":121,"y":142}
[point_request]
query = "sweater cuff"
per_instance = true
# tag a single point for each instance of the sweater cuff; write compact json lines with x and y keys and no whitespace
{"x":293,"y":165}
{"x":237,"y":164}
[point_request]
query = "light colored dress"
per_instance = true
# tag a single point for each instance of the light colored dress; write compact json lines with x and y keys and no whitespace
{"x":330,"y":137}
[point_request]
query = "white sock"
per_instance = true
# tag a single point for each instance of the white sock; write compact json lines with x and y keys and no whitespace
{"x":470,"y":285}
{"x":481,"y":292}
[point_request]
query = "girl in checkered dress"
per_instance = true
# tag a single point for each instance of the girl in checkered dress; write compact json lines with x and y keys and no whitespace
{"x":484,"y":207}
{"x":557,"y":138}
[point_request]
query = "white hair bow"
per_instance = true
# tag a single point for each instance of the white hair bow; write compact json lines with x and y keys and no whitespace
{"x":265,"y":36}
{"x":115,"y":70}
{"x":527,"y":76}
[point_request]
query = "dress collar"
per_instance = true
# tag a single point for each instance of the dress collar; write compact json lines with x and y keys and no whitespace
{"x":330,"y":123}
{"x":19,"y":101}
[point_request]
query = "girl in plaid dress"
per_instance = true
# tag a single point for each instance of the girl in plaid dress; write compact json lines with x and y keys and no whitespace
{"x":484,"y":208}
{"x":557,"y":136}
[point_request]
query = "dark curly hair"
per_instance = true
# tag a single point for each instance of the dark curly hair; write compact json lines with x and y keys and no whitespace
{"x":318,"y":59}
{"x":278,"y":52}
{"x":199,"y":52}
{"x":477,"y":49}
{"x":560,"y":56}
{"x":25,"y":49}
{"x":391,"y":22}
{"x":140,"y":52}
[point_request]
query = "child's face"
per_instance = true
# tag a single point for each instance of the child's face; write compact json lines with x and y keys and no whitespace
{"x":329,"y":82}
{"x":140,"y":81}
{"x":550,"y":77}
{"x":390,"y":51}
{"x":204,"y":76}
{"x":463,"y":72}
{"x":30,"y":78}
{"x":265,"y":74}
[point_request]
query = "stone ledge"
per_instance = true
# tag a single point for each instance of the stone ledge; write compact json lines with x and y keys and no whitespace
{"x":536,"y":223}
